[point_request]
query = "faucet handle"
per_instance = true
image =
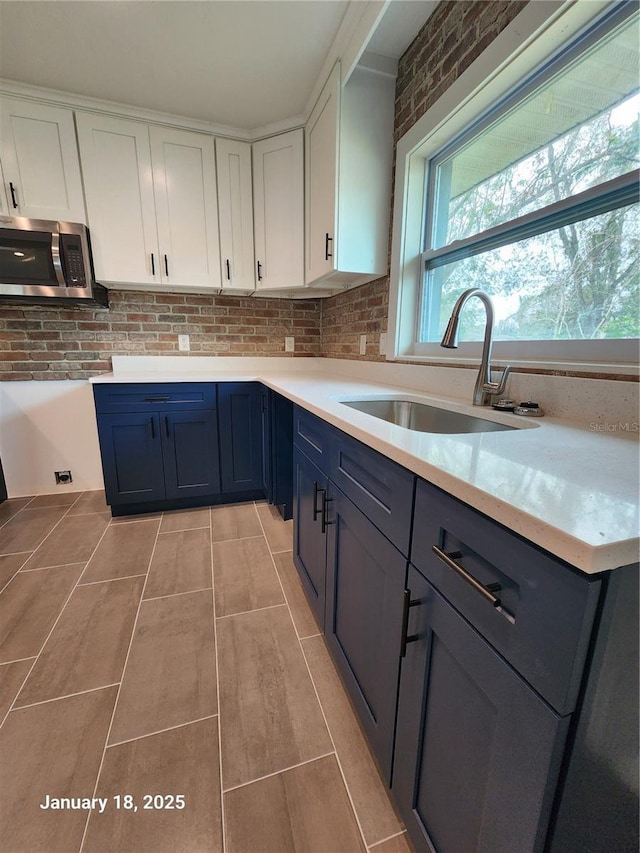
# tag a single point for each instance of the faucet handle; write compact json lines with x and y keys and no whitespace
{"x":497,"y":387}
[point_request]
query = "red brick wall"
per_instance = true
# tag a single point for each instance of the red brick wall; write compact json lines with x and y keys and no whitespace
{"x":452,"y":37}
{"x":38,"y":342}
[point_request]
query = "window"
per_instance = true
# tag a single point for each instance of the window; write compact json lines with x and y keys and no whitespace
{"x":536,"y":201}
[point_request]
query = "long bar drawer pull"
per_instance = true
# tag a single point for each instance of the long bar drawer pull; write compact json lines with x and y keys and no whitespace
{"x":155,"y":399}
{"x":485,"y":591}
{"x":407,"y":638}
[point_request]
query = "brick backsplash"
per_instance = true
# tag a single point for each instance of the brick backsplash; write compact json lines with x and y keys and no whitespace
{"x":42,"y":342}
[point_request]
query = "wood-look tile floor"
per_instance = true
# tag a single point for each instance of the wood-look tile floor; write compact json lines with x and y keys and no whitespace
{"x":163,"y":681}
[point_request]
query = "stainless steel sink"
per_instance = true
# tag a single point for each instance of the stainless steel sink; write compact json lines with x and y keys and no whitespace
{"x":424,"y":418}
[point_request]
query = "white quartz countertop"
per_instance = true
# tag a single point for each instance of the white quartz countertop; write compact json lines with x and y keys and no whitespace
{"x":571,"y":490}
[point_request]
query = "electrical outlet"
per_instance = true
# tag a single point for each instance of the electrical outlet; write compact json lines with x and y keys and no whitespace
{"x":63,"y":478}
{"x":383,"y":343}
{"x":183,"y":343}
{"x":363,"y":344}
{"x":289,"y":344}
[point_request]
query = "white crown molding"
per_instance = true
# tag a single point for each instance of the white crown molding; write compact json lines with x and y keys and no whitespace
{"x":81,"y":102}
{"x":258,"y":133}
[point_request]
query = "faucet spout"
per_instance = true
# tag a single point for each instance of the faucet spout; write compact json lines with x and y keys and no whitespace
{"x":485,"y":387}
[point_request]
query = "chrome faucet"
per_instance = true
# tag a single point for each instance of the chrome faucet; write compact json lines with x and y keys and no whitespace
{"x":485,"y":388}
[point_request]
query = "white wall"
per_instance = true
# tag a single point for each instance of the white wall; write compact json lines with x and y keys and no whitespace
{"x":46,"y":427}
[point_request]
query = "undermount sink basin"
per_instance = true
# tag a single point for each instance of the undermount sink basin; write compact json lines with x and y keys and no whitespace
{"x":423,"y":418}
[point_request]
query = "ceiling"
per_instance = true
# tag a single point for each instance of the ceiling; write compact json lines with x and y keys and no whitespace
{"x":241,"y":63}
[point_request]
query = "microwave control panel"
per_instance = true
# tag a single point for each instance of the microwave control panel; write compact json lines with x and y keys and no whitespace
{"x":72,"y":261}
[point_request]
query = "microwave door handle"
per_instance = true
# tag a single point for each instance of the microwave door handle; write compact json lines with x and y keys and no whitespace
{"x":55,"y":254}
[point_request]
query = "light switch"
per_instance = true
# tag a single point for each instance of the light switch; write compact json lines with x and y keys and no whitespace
{"x":363,"y":344}
{"x":289,"y":344}
{"x":183,"y":343}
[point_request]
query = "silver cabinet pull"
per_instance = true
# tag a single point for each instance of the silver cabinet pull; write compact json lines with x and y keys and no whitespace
{"x":485,"y":591}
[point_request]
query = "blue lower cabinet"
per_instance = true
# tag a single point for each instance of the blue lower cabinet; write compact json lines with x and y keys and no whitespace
{"x":131,"y":448}
{"x":190,"y":454}
{"x":240,"y":420}
{"x":478,"y":752}
{"x":309,"y":530}
{"x":363,"y":621}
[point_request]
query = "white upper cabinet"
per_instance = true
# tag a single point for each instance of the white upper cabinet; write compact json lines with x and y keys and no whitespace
{"x":278,"y":211}
{"x":321,"y":138}
{"x":151,"y":203}
{"x":235,"y":211}
{"x":40,"y":161}
{"x":116,"y":165}
{"x":349,"y":150}
{"x":184,"y":180}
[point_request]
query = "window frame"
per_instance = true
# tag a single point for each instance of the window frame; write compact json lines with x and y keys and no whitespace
{"x":533,"y":40}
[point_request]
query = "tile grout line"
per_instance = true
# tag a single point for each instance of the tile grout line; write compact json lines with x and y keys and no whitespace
{"x":59,"y":521}
{"x":161,"y":731}
{"x":124,"y":668}
{"x":326,"y":722}
{"x":175,"y":594}
{"x":17,"y":512}
{"x":223,"y":824}
{"x":324,"y":717}
{"x":255,"y":610}
{"x":185,"y":529}
{"x":17,"y":660}
{"x":106,"y":580}
{"x":66,"y":696}
{"x":18,"y":572}
{"x":278,"y":772}
{"x":388,"y":838}
{"x":59,"y":616}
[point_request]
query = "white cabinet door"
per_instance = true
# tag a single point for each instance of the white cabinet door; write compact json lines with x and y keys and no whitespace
{"x":116,"y":163}
{"x":40,"y":161}
{"x":235,"y":212}
{"x":184,"y":179}
{"x":321,"y":143}
{"x":278,"y":211}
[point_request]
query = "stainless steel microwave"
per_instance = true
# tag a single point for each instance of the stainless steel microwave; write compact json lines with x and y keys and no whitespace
{"x":47,"y":262}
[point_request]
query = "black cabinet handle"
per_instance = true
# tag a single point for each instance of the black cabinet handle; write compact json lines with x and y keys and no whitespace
{"x":228,"y":269}
{"x":156,"y":399}
{"x":259,"y":271}
{"x":327,"y":253}
{"x":14,"y":200}
{"x":405,"y":639}
{"x":153,"y":265}
{"x":485,"y":591}
{"x":166,"y":425}
{"x":324,"y":518}
{"x":153,"y":428}
{"x":316,"y":511}
{"x":166,"y":266}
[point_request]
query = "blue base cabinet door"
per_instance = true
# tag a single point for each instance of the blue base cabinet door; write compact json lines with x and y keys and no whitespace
{"x":363,"y":622}
{"x":190,"y":444}
{"x":477,"y":750}
{"x":240,"y":419}
{"x":131,"y":447}
{"x":309,"y":526}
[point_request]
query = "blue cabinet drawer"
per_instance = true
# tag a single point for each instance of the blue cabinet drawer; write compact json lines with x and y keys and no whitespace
{"x":313,"y":437}
{"x":154,"y":396}
{"x":542,"y":614}
{"x":380,"y":488}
